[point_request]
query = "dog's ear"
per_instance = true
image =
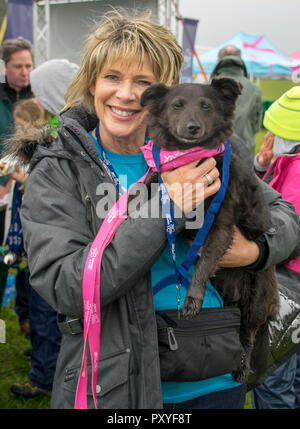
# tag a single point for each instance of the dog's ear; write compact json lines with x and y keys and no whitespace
{"x":153,"y":94}
{"x":228,"y":88}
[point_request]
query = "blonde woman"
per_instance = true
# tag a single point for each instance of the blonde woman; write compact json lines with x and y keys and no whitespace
{"x":62,"y":212}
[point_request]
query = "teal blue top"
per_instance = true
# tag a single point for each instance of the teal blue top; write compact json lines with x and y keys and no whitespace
{"x":129,"y":169}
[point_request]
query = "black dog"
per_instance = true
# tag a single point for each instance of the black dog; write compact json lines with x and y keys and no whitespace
{"x":188,"y":115}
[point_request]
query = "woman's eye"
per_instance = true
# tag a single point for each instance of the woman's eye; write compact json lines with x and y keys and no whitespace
{"x":144,"y":82}
{"x":111,"y":77}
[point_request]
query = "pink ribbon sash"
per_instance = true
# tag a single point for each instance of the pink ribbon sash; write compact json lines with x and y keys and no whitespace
{"x":91,"y":275}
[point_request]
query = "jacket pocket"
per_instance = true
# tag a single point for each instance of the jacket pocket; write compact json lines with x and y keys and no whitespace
{"x":112,"y":382}
{"x":200,"y":348}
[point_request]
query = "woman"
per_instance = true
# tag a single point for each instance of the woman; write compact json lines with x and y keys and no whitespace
{"x":282,"y":141}
{"x":62,"y":211}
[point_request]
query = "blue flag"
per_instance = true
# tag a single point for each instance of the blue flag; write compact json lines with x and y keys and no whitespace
{"x":19,"y":19}
{"x":189,"y":35}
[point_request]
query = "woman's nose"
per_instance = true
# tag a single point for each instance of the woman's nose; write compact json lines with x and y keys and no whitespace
{"x":125,"y":91}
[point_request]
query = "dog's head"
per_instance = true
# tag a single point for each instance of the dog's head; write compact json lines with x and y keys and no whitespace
{"x":187,"y":115}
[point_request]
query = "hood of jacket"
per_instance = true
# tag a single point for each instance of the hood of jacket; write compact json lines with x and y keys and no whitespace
{"x":49,"y":82}
{"x":231,"y":65}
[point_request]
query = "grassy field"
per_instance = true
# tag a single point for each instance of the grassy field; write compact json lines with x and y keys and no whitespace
{"x":15,"y":365}
{"x":274,"y":88}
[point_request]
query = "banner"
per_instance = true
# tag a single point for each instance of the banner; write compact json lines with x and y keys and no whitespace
{"x":189,"y":35}
{"x":19,"y":19}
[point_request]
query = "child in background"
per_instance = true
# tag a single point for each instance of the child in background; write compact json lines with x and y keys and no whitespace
{"x":282,"y":142}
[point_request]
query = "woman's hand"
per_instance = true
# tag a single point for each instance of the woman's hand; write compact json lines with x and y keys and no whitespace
{"x":242,"y":252}
{"x":187,"y":185}
{"x":265,"y":154}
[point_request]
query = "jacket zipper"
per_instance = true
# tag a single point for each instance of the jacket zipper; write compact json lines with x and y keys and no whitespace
{"x":204,"y":329}
{"x":173,"y":345}
{"x":90,"y":213}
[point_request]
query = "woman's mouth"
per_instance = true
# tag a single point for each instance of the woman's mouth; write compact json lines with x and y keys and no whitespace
{"x":122,"y":112}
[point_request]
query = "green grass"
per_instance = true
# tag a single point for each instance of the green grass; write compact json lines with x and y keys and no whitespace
{"x":274,"y":88}
{"x":15,"y":366}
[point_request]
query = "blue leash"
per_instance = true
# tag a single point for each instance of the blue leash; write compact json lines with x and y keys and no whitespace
{"x":181,"y":272}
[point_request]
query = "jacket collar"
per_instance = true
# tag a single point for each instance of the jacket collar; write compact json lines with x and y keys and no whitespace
{"x":8,"y":93}
{"x":232,"y":64}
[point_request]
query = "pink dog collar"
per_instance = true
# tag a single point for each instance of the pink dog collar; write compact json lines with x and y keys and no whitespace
{"x":170,"y":159}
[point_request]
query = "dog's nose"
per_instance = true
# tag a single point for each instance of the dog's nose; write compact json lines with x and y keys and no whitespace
{"x":193,"y":128}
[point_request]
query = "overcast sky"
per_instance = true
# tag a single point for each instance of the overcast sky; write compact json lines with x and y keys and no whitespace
{"x":220,"y":20}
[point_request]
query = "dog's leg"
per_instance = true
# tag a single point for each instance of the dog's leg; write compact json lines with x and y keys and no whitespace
{"x":217,"y":242}
{"x":247,"y":340}
{"x":257,"y":310}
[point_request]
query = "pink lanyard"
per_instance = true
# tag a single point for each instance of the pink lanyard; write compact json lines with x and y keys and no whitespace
{"x":91,"y":275}
{"x":91,"y":297}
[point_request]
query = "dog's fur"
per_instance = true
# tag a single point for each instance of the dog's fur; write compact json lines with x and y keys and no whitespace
{"x":188,"y":115}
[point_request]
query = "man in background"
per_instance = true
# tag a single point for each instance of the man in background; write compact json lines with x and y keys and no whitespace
{"x":249,"y":109}
{"x":17,"y":55}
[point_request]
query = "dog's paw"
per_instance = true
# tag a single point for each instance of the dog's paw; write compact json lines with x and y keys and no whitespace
{"x":241,"y":376}
{"x":191,"y":307}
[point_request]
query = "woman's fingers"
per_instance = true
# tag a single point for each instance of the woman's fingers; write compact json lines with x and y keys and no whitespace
{"x":190,"y":184}
{"x":212,"y":189}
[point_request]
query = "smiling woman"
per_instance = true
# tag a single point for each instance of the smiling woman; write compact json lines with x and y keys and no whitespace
{"x":117,"y":93}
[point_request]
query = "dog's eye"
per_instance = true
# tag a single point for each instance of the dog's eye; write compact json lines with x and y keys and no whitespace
{"x":205,"y":106}
{"x":177,"y":105}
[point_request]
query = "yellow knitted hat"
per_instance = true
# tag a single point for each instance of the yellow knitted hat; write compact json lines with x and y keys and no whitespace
{"x":283,"y":116}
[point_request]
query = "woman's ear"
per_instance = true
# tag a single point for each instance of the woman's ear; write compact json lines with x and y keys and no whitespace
{"x":92,"y":89}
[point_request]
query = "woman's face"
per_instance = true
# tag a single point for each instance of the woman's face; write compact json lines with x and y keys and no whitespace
{"x":117,"y":94}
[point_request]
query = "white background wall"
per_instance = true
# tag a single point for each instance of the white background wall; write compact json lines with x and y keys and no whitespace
{"x":70,"y":23}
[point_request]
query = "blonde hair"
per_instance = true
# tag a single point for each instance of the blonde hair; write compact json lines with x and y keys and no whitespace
{"x":127,"y":36}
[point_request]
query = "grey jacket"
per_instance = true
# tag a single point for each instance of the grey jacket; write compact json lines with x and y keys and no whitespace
{"x":59,"y":218}
{"x":249,"y":108}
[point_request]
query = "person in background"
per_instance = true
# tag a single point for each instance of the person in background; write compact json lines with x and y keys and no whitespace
{"x":17,"y":56}
{"x":282,"y":143}
{"x":49,"y":83}
{"x":25,"y":113}
{"x":123,"y":55}
{"x":249,"y":109}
